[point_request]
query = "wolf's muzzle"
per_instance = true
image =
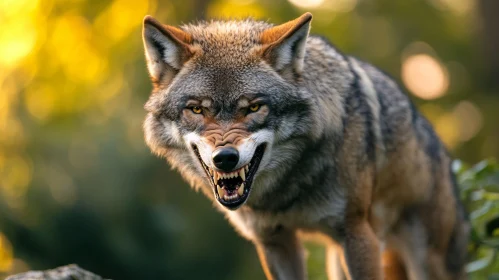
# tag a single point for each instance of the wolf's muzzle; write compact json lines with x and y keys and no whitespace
{"x":225,"y":158}
{"x":231,"y":187}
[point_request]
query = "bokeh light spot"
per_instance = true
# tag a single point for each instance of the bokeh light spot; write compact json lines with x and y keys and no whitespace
{"x":40,"y":101}
{"x":459,"y":7}
{"x":447,"y":128}
{"x":469,"y":118}
{"x":340,"y":6}
{"x":122,"y":17}
{"x":15,"y":177}
{"x":6,"y":254}
{"x":307,"y":3}
{"x":17,"y":41}
{"x":424,"y":76}
{"x":235,"y":9}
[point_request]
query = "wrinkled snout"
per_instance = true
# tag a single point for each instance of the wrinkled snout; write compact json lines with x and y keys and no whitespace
{"x":225,"y":158}
{"x":230,"y":167}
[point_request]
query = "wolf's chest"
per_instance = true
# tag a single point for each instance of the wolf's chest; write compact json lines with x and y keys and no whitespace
{"x":323,"y":217}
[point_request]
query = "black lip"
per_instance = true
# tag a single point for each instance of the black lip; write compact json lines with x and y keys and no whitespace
{"x":255,"y":163}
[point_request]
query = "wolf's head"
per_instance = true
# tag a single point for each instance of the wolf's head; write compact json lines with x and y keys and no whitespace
{"x":226,"y":99}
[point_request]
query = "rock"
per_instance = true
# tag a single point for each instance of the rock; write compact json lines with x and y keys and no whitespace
{"x":68,"y":272}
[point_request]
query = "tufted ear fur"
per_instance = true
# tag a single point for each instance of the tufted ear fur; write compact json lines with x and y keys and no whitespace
{"x":284,"y":45}
{"x":167,"y":48}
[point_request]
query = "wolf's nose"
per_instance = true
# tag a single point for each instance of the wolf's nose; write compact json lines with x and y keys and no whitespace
{"x":225,"y":158}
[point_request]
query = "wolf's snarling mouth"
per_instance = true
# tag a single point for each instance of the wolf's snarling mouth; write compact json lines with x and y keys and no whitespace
{"x":232,"y":189}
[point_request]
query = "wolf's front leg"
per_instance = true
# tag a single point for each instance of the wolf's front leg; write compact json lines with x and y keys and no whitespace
{"x":281,"y":255}
{"x":362,"y":252}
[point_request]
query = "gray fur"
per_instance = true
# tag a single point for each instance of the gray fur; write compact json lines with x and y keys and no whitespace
{"x":330,"y":122}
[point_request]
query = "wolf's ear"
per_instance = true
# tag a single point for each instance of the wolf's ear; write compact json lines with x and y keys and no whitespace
{"x":284,"y":45}
{"x":167,"y":48}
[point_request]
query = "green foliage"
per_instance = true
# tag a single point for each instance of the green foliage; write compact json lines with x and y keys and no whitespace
{"x":479,"y":189}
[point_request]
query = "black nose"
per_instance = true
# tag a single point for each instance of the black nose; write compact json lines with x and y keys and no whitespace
{"x":225,"y":158}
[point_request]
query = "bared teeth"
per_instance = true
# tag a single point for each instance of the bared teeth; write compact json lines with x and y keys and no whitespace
{"x":242,"y":174}
{"x":240,"y":191}
{"x":220,"y":191}
{"x":222,"y":175}
{"x":230,"y":197}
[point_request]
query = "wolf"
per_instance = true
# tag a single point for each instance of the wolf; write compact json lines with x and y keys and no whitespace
{"x":291,"y":138}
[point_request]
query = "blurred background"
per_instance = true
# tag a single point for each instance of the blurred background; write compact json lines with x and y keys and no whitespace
{"x":77,"y":183}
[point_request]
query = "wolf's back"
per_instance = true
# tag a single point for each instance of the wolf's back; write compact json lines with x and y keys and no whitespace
{"x":400,"y":120}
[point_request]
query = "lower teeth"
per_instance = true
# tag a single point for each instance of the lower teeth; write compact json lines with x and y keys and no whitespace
{"x":222,"y":193}
{"x":231,"y":197}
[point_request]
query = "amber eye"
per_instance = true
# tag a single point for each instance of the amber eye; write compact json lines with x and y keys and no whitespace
{"x":197,"y":110}
{"x":254,"y":107}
